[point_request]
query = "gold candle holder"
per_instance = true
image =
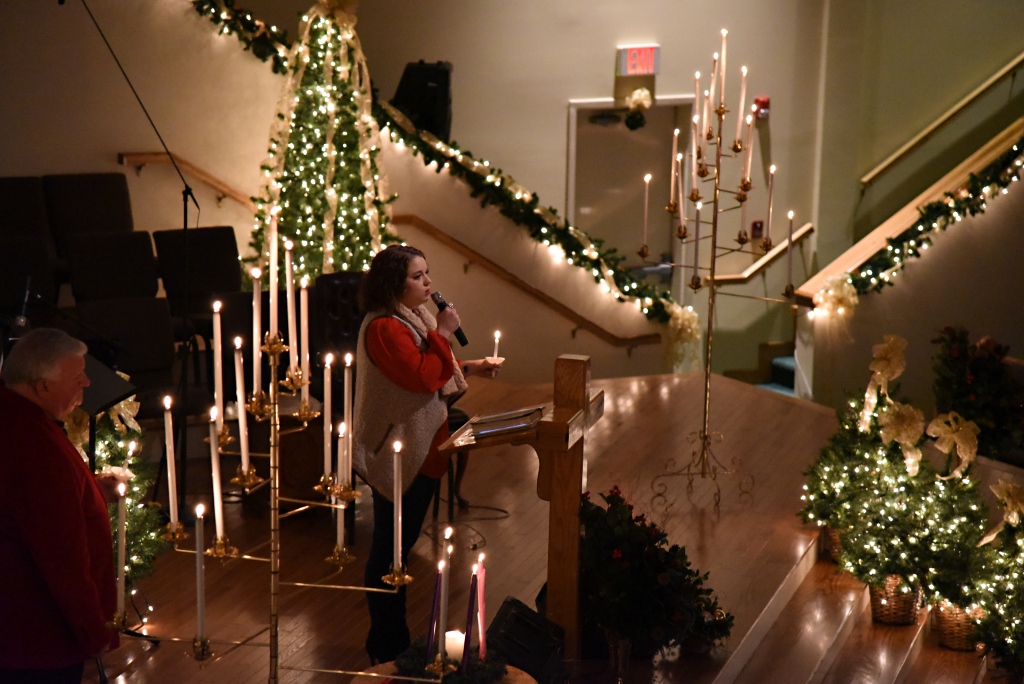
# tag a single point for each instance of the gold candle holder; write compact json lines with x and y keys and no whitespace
{"x":341,"y":557}
{"x":222,"y":549}
{"x":224,"y":437}
{"x":175,"y":533}
{"x":702,"y":169}
{"x":737,"y":146}
{"x":396,"y":578}
{"x":201,"y":649}
{"x":644,"y":251}
{"x":789,"y":291}
{"x":293,"y":380}
{"x":258,"y":406}
{"x":695,"y":194}
{"x":742,"y":238}
{"x":766,"y":244}
{"x":672,"y":207}
{"x":273,"y":345}
{"x":119,"y":621}
{"x":681,"y":232}
{"x":441,"y":666}
{"x":305,"y":413}
{"x":247,"y":479}
{"x":326,"y":485}
{"x":345,"y":493}
{"x":695,"y":282}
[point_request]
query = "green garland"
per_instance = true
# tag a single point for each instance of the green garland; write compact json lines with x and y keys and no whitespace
{"x":490,"y":185}
{"x":879,"y":270}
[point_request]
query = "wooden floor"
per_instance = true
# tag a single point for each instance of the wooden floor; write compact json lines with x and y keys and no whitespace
{"x":752,"y":544}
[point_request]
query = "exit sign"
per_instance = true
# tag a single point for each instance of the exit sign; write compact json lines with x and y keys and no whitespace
{"x":638,"y":60}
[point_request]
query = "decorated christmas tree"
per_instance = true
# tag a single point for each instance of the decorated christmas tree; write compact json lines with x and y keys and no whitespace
{"x":1001,"y":590}
{"x":322,"y":173}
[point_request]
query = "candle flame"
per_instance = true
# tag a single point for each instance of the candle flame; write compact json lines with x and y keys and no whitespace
{"x":256,"y":273}
{"x":440,"y":566}
{"x":348,"y":359}
{"x":121,"y":489}
{"x":725,"y":32}
{"x":216,"y":307}
{"x":679,"y":157}
{"x":132,"y":446}
{"x":329,"y":359}
{"x":696,"y":75}
{"x":213,"y":413}
{"x":647,"y":178}
{"x":450,"y":549}
{"x":288,"y":244}
{"x":200,"y":510}
{"x":743,"y":70}
{"x":448,"y":532}
{"x":304,"y":283}
{"x":341,"y":430}
{"x":715,"y":56}
{"x":474,"y":568}
{"x":275,"y":210}
{"x":238,"y":343}
{"x":497,"y":334}
{"x":480,"y":558}
{"x":397,"y":446}
{"x":696,"y":118}
{"x":167,"y":402}
{"x":753,"y":108}
{"x":771,"y":169}
{"x":699,"y":205}
{"x":675,"y":132}
{"x":750,"y":119}
{"x":790,"y":215}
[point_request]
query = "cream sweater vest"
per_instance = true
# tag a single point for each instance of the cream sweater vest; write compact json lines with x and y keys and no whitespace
{"x":384,"y":412}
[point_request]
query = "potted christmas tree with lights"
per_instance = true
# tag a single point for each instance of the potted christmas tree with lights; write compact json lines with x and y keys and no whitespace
{"x":1001,"y":591}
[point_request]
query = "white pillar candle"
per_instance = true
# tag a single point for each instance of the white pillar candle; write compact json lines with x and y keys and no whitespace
{"x":257,"y":331}
{"x":743,"y":98}
{"x":218,"y":367}
{"x":749,"y":145}
{"x":694,"y":143}
{"x":272,"y":239}
{"x":122,"y":540}
{"x":497,"y":336}
{"x":789,"y":252}
{"x":647,"y":195}
{"x":243,"y":418}
{"x":481,"y":611}
{"x":771,"y":187}
{"x":218,"y":503}
{"x":397,"y":494}
{"x":304,"y":335}
{"x":346,"y":474}
{"x":289,"y":284}
{"x":454,"y":642}
{"x":328,"y":427}
{"x":200,"y":575}
{"x":721,"y":97}
{"x":672,"y":168}
{"x":172,"y":470}
{"x":442,"y":619}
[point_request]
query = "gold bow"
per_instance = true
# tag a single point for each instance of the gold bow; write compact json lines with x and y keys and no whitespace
{"x":887,"y":365}
{"x":1012,"y":497}
{"x":76,"y":426}
{"x":123,"y":414}
{"x":951,"y":430}
{"x":903,"y":424}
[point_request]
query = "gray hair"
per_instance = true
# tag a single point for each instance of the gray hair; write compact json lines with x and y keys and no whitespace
{"x":37,"y":356}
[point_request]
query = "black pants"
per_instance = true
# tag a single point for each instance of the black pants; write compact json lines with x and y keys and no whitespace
{"x":71,"y":674}
{"x":389,"y":633}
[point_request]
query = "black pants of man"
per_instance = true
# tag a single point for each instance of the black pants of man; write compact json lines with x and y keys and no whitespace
{"x":71,"y":674}
{"x":389,"y":633}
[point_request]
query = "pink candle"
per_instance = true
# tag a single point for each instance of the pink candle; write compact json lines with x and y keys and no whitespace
{"x":694,"y":142}
{"x":647,"y":195}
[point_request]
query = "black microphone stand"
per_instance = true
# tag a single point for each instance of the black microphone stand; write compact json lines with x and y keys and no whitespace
{"x":186,"y":194}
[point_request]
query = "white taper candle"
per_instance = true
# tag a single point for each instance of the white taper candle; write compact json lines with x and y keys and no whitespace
{"x":257,"y":330}
{"x":328,"y":425}
{"x":273,"y":285}
{"x":346,"y":474}
{"x":304,"y":335}
{"x":218,"y":367}
{"x":200,"y":575}
{"x":243,"y":418}
{"x":218,"y":503}
{"x":397,"y":446}
{"x":122,"y":540}
{"x":289,"y":284}
{"x":172,"y":470}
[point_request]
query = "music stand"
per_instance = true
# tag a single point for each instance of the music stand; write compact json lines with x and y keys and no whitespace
{"x":106,"y":388}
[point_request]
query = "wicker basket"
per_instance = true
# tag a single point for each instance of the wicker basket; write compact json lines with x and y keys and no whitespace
{"x":895,"y":604}
{"x":833,"y":543}
{"x":956,"y":626}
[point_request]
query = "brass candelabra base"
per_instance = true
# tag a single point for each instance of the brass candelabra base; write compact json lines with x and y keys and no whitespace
{"x":396,"y":578}
{"x":273,"y":345}
{"x":175,"y":533}
{"x":737,"y":146}
{"x":694,"y":195}
{"x":222,"y":549}
{"x":340,"y":557}
{"x":224,"y":437}
{"x":440,"y":667}
{"x":247,"y":479}
{"x":201,"y":648}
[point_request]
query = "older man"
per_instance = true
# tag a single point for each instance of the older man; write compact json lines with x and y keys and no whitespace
{"x":57,"y":579}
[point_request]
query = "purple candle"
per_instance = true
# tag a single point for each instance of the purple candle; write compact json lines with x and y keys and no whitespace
{"x":470,"y":614}
{"x":433,"y":610}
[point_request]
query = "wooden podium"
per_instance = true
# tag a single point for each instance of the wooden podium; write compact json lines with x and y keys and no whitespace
{"x":558,"y":439}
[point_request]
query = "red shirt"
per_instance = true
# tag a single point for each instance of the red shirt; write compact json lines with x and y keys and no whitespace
{"x":57,"y":579}
{"x":393,"y":348}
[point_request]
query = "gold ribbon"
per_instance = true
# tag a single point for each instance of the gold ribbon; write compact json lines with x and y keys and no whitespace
{"x":888,"y":363}
{"x":1012,"y":497}
{"x":903,"y":424}
{"x":951,"y":430}
{"x":76,"y":426}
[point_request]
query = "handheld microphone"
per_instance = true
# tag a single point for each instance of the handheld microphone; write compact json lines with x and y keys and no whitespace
{"x":441,"y":306}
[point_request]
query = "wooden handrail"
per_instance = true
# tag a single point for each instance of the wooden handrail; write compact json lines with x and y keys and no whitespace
{"x":928,"y":132}
{"x":762,"y":263}
{"x":877,"y":239}
{"x":140,"y":159}
{"x":550,"y":302}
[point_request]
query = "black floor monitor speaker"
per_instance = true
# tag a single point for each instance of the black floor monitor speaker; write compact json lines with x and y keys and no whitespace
{"x":425,"y":96}
{"x":527,"y":641}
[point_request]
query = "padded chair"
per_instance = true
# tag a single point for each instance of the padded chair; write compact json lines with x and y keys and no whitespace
{"x":112,"y":266}
{"x":21,"y":259}
{"x":142,"y":335}
{"x":214,"y":269}
{"x":86,"y":203}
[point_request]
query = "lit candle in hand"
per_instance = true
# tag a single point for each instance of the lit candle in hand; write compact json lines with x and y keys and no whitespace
{"x":122,"y":538}
{"x":243,"y":424}
{"x":172,"y":470}
{"x":497,"y":336}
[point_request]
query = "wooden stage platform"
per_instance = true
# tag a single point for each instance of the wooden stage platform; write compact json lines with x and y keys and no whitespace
{"x":755,"y":548}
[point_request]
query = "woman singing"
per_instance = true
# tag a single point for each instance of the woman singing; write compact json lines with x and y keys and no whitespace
{"x":407,"y":378}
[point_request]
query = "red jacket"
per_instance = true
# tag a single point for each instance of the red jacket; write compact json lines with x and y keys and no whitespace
{"x":57,"y":579}
{"x":394,"y":351}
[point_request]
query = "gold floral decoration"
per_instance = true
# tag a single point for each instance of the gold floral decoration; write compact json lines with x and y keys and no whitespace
{"x":951,"y":430}
{"x":903,"y":424}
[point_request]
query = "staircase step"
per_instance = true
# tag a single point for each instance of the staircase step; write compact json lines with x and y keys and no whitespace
{"x":784,"y":370}
{"x":880,"y":654}
{"x":810,"y":631}
{"x":938,"y":665}
{"x":781,"y":389}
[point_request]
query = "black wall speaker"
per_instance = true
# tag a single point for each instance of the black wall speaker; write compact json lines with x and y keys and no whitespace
{"x":527,"y":641}
{"x":337,"y":317}
{"x":425,"y":96}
